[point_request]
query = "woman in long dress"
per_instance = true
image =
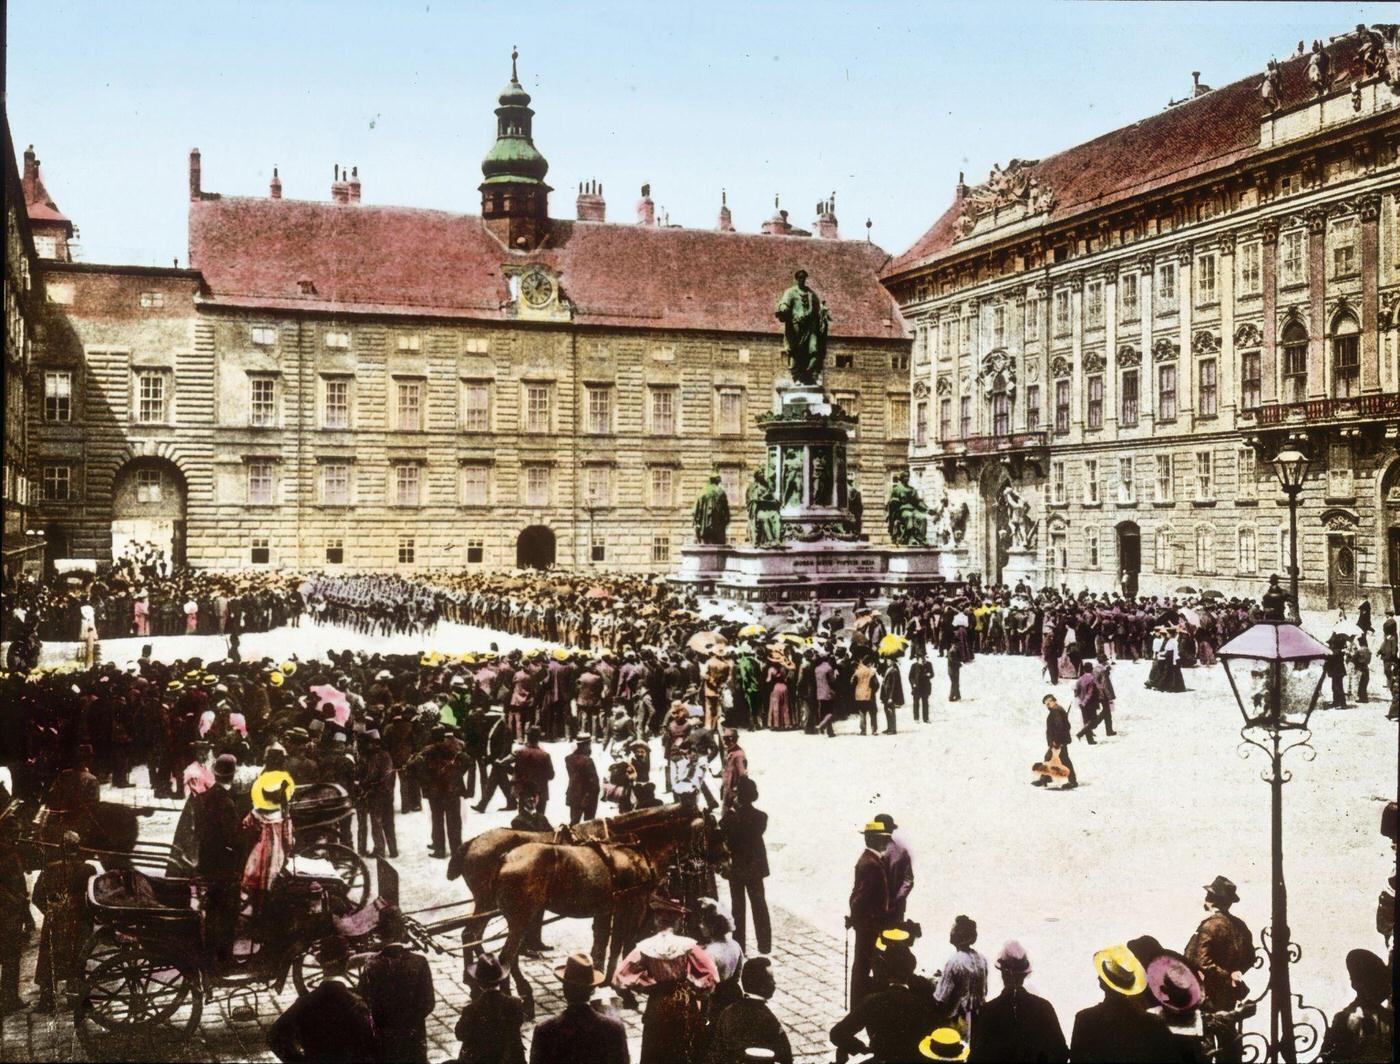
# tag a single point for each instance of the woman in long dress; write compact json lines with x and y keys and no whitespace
{"x":1171,"y":681}
{"x":779,"y":705}
{"x":677,"y":976}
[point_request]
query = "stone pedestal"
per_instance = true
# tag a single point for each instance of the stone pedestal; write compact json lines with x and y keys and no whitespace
{"x":953,"y":561}
{"x":1022,"y":563}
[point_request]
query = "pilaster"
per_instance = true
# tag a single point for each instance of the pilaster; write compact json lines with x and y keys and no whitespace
{"x":1370,"y":278}
{"x":1317,"y":294}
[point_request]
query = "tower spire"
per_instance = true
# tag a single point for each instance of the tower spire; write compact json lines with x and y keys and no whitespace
{"x":514,"y":196}
{"x":514,"y":55}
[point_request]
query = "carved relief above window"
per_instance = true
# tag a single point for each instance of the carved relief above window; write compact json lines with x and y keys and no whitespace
{"x":921,"y":388}
{"x":1060,"y":366}
{"x":998,"y":374}
{"x":1164,"y":350}
{"x":1128,"y":355}
{"x":1205,"y":342}
{"x":944,"y":386}
{"x":1248,"y":335}
{"x":1094,"y":361}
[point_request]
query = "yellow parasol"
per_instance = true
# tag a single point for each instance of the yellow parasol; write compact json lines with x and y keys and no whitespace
{"x":892,"y":645}
{"x":752,"y":629}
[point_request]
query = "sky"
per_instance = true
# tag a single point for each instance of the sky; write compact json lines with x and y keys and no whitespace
{"x":883,"y":103}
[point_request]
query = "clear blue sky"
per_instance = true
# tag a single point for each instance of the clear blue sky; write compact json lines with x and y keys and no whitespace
{"x":882,"y":102}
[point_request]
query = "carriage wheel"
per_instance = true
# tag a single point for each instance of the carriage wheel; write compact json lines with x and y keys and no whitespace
{"x":350,"y":869}
{"x":100,"y":945}
{"x":133,"y":996}
{"x":307,"y":973}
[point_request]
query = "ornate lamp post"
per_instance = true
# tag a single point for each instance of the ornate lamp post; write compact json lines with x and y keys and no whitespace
{"x":1291,"y":465}
{"x":1274,"y":669}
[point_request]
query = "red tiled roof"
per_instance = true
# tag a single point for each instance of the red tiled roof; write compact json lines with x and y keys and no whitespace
{"x":38,"y":204}
{"x":1210,"y":132}
{"x":399,"y":260}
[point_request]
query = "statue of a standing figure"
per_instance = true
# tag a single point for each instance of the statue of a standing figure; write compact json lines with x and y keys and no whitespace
{"x":1018,"y":517}
{"x":855,"y":502}
{"x":805,"y":325}
{"x":906,"y":515}
{"x":791,"y":486}
{"x":765,"y":529}
{"x":712,"y":513}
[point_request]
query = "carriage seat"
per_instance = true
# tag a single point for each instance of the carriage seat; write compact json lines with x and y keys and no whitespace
{"x":126,"y":888}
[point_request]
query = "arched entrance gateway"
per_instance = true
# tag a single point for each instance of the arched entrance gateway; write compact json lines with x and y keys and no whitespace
{"x":535,"y":548}
{"x":995,"y":527}
{"x":1129,"y":556}
{"x":148,"y":506}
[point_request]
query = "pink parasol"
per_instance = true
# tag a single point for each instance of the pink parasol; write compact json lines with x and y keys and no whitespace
{"x":329,"y":696}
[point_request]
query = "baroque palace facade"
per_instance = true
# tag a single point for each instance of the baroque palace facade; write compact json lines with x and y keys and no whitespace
{"x":1129,"y":331}
{"x":340,"y":384}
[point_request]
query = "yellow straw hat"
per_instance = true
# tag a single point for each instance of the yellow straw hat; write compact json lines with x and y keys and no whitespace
{"x":560,"y":654}
{"x":270,"y":782}
{"x":1120,"y":970}
{"x":289,"y":668}
{"x":945,"y":1044}
{"x":875,"y":826}
{"x":275,"y":678}
{"x":892,"y":938}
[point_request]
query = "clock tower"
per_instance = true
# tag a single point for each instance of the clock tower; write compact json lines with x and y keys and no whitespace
{"x":514,"y":197}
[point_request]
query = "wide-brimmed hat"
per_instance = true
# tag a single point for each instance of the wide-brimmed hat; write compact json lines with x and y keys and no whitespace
{"x":486,"y":970}
{"x":267,"y":785}
{"x":874,"y":827}
{"x":945,"y":1043}
{"x":1012,"y":958}
{"x":578,"y":970}
{"x":1119,"y":970}
{"x":893,"y":938}
{"x":1223,"y":889}
{"x":582,"y":738}
{"x":1173,"y":984}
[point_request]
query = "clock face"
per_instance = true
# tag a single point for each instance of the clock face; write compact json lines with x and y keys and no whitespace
{"x":537,"y":288}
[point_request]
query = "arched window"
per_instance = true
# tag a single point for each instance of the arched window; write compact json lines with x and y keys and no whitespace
{"x":1346,"y":356}
{"x":1164,"y":558}
{"x":1001,"y":406}
{"x":1248,"y":550}
{"x":1295,"y":362}
{"x":1205,"y":550}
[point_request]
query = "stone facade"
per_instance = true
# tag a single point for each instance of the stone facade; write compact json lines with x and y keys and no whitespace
{"x":1129,"y":331}
{"x":20,"y":303}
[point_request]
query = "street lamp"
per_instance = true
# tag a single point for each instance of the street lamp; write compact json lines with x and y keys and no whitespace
{"x":1275,"y":671}
{"x":1291,"y":466}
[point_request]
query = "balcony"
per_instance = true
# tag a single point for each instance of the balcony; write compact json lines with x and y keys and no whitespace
{"x":989,"y":444}
{"x":1382,"y":405}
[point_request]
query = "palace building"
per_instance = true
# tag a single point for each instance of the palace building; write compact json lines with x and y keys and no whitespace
{"x":1129,"y":331}
{"x":336,"y":383}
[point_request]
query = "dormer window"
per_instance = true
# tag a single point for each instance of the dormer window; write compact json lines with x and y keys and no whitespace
{"x":306,"y":286}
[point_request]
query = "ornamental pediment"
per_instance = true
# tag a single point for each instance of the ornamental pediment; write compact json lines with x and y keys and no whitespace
{"x":1009,"y":194}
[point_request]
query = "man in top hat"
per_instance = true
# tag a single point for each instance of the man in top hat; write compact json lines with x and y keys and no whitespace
{"x":1116,"y":1030}
{"x":749,"y":1023}
{"x":219,"y":857}
{"x":330,"y":1023}
{"x":870,"y":906}
{"x":580,"y":1034}
{"x":397,"y":984}
{"x":584,"y":785}
{"x":489,"y":1027}
{"x":1017,"y":1025}
{"x":895,"y":1018}
{"x":1222,"y":950}
{"x":533,"y":769}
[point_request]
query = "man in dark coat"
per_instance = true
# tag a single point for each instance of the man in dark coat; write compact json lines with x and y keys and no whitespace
{"x":899,"y":865}
{"x":579,"y":1034}
{"x":1016,"y":1025}
{"x":743,"y":828}
{"x":1057,"y":735}
{"x":441,"y":766}
{"x":15,"y":917}
{"x":398,"y":987}
{"x":495,"y":769}
{"x":533,"y":769}
{"x":955,"y":664}
{"x":896,"y":1019}
{"x":219,"y":860}
{"x":489,"y":1028}
{"x":61,"y":893}
{"x":870,"y":907}
{"x":749,"y":1023}
{"x":1116,"y":1031}
{"x":1222,"y":950}
{"x":921,"y":686}
{"x":377,"y":793}
{"x":331,"y":1024}
{"x":584,"y":785}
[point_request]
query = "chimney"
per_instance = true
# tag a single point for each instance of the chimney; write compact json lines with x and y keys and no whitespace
{"x":590,"y":206}
{"x":646,"y":209}
{"x":1198,"y":89}
{"x":354,"y":184}
{"x":31,"y":170}
{"x":777,"y":225}
{"x":340,"y":188}
{"x":274,"y":188}
{"x":196,"y":191}
{"x":826,"y":226}
{"x":725,"y":224}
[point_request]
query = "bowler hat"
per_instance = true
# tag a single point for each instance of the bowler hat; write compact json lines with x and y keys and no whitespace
{"x":1222,"y":889}
{"x":888,"y":821}
{"x":486,"y":970}
{"x":225,"y":765}
{"x":578,"y":970}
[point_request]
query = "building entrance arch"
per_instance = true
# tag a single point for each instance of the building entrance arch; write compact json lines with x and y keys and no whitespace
{"x":1129,"y":556}
{"x":995,"y":521}
{"x":148,"y":508}
{"x":535,"y":548}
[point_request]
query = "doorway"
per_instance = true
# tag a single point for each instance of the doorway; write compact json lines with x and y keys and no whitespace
{"x":148,"y":509}
{"x":535,"y":548}
{"x":1129,"y":557}
{"x":1341,"y":570}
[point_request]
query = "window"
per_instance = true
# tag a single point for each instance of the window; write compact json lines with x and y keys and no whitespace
{"x":1095,"y":412}
{"x":476,"y":551}
{"x":849,"y":402}
{"x":1341,"y":475}
{"x":597,"y":485}
{"x":597,"y":551}
{"x":337,"y":341}
{"x":965,"y":416}
{"x":599,"y":417}
{"x":1204,"y":480}
{"x":1346,"y":357}
{"x":262,"y":402}
{"x":1057,"y":482}
{"x":1291,"y":265}
{"x":1032,"y":318}
{"x":730,"y":409}
{"x":1166,"y":392}
{"x":998,"y":326}
{"x":1001,"y":412}
{"x":537,"y":485}
{"x":845,"y":361}
{"x":1062,"y":312}
{"x":1164,"y":560}
{"x":408,"y":483}
{"x":1128,"y":296}
{"x":335,"y":403}
{"x":1206,"y":392}
{"x":151,"y":300}
{"x":1093,"y":304}
{"x":410,"y":342}
{"x":57,"y":483}
{"x":410,"y":405}
{"x":335,"y":551}
{"x":660,"y":547}
{"x":1091,"y":481}
{"x":149,"y":486}
{"x":150,"y":398}
{"x":1091,"y":547}
{"x":261,"y":484}
{"x":1251,"y":380}
{"x":1164,"y":488}
{"x":899,"y":417}
{"x":1128,"y":418}
{"x":1246,"y":471}
{"x":58,"y":395}
{"x":264,"y":335}
{"x":1248,"y":549}
{"x":1295,"y":363}
{"x":1251,"y":274}
{"x":947,"y":346}
{"x":335,"y":484}
{"x":662,"y":483}
{"x":1166,"y":288}
{"x":476,"y":485}
{"x":478,"y":345}
{"x":1285,"y":561}
{"x":945,"y":419}
{"x":1062,"y":406}
{"x":662,"y":411}
{"x":1344,"y":249}
{"x":899,"y":361}
{"x":1205,"y":550}
{"x":408,"y":550}
{"x":1032,"y":408}
{"x":476,"y":406}
{"x":1205,"y":280}
{"x":259,"y":553}
{"x":537,"y":403}
{"x":731,"y":479}
{"x":1127,"y":489}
